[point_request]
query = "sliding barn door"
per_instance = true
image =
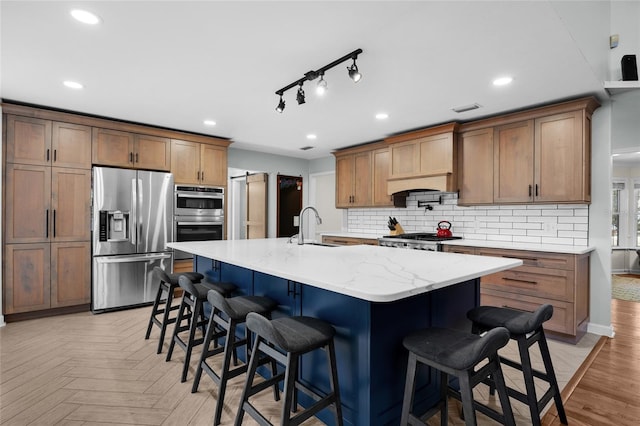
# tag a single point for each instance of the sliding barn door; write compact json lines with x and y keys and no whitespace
{"x":256,"y":219}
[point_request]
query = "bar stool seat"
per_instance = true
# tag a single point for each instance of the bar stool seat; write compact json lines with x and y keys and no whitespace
{"x":456,"y":353}
{"x":294,"y":336}
{"x":168,"y":284}
{"x":225,"y":317}
{"x":191,"y":310}
{"x":527,"y":329}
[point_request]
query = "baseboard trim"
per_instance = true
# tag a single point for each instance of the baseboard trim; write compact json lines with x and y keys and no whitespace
{"x":601,"y":330}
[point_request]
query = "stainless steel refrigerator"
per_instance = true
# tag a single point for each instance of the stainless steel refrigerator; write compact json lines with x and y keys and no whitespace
{"x":131,"y":225}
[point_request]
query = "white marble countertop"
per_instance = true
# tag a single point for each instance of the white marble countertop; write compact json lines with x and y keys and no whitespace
{"x":549,"y":248}
{"x":373,"y":273}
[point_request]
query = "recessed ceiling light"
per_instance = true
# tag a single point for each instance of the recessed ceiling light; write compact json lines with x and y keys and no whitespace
{"x":209,"y":122}
{"x":311,"y":136}
{"x":85,"y":17}
{"x":502,"y":81}
{"x":73,"y":84}
{"x":382,"y":116}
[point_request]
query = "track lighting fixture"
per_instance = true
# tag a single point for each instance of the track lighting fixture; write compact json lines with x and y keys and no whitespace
{"x":280,"y":106}
{"x":354,"y":74}
{"x":300,"y":95}
{"x":321,"y":87}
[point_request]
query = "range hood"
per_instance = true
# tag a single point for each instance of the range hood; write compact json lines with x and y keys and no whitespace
{"x":441,"y":183}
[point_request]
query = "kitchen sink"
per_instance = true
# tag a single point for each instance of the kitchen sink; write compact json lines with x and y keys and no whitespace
{"x":321,"y":244}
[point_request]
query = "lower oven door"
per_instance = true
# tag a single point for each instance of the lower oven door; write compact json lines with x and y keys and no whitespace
{"x":197,"y":228}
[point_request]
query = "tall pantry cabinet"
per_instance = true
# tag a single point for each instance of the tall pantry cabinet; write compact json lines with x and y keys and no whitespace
{"x":47,"y":207}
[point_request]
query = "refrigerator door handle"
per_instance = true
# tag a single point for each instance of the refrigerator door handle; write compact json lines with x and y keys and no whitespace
{"x":133,"y":223}
{"x":131,"y":259}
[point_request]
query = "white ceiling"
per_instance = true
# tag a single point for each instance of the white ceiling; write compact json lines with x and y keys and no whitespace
{"x":175,"y":64}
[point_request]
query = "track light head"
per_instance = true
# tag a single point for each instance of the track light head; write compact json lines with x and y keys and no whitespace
{"x":300,"y":95}
{"x":354,"y":74}
{"x":321,"y":88}
{"x":280,"y":106}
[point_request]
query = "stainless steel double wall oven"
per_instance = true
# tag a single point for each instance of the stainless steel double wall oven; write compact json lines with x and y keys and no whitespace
{"x":198,"y":215}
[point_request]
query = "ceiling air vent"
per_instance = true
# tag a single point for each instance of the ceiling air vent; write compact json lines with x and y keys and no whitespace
{"x":465,"y":108}
{"x":306,"y":148}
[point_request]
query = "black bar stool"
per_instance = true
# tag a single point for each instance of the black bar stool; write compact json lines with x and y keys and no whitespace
{"x":168,"y":284}
{"x":294,"y":336}
{"x":526,"y":329}
{"x":225,"y":317}
{"x":456,"y":353}
{"x":193,"y":297}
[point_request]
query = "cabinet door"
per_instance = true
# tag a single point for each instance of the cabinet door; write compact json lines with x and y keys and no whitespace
{"x":71,"y":144}
{"x":380,"y":175}
{"x":213,"y":165}
{"x":28,"y":203}
{"x":344,"y":181}
{"x":27,"y":278}
{"x":561,"y":163}
{"x":513,"y":163}
{"x":71,"y":204}
{"x":405,"y":159}
{"x":28,"y":140}
{"x":152,"y":152}
{"x":70,"y":274}
{"x":185,"y":161}
{"x":362,"y":179}
{"x":112,"y":148}
{"x":475,"y":167}
{"x":436,"y":154}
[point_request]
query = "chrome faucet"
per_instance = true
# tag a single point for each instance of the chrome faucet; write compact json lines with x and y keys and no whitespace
{"x":301,"y":230}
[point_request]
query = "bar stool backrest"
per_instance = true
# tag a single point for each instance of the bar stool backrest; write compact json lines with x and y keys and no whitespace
{"x":187,"y":285}
{"x":161,"y":274}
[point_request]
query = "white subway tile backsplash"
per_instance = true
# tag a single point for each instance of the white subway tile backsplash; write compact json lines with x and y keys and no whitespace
{"x":532,"y":223}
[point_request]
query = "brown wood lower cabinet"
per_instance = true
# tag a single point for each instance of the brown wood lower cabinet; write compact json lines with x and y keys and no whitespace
{"x":46,"y":275}
{"x":348,"y":241}
{"x":559,"y":279}
{"x":182,"y":266}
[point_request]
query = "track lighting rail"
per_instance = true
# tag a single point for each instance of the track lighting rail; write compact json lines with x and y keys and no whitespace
{"x":312,"y":75}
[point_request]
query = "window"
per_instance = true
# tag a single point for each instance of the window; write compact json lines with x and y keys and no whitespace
{"x":618,"y":187}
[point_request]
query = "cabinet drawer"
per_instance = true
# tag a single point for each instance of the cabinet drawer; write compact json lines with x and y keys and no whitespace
{"x":562,"y":321}
{"x":549,"y":283}
{"x":460,"y":249}
{"x":349,"y":241}
{"x":533,"y":258}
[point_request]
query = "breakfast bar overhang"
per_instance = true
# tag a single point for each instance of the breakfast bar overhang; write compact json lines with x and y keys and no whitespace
{"x":373,"y":296}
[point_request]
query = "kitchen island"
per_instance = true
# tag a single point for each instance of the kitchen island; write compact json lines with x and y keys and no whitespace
{"x":373,"y":296}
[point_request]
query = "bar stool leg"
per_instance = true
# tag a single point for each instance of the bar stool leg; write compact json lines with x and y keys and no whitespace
{"x":503,"y":394}
{"x":197,"y":312}
{"x":444,"y":409}
{"x":527,"y":371}
{"x":165,"y":318}
{"x":229,"y":349}
{"x":548,"y":366}
{"x":289,"y":387}
{"x":154,"y":311}
{"x":466,"y":394}
{"x":251,"y":372}
{"x":409,"y":389}
{"x":179,"y":318}
{"x":331,"y":353}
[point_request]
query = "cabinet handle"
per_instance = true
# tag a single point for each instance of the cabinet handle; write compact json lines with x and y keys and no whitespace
{"x":202,"y":176}
{"x":55,"y":155}
{"x":131,"y":157}
{"x":291,"y":289}
{"x":46,"y":224}
{"x":54,"y":224}
{"x":516,"y":309}
{"x":47,"y":154}
{"x":533,"y":259}
{"x":137,"y":158}
{"x":536,"y":189}
{"x":520,"y":281}
{"x":529,"y":190}
{"x":198,"y":176}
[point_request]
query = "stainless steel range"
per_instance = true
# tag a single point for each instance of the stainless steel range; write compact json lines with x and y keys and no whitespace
{"x":416,"y":240}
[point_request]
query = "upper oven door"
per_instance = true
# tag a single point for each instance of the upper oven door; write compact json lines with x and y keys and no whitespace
{"x":199,"y":201}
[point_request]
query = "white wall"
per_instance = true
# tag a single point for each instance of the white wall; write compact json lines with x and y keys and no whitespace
{"x":2,"y":323}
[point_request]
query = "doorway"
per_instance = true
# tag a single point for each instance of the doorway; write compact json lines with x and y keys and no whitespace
{"x":289,"y":204}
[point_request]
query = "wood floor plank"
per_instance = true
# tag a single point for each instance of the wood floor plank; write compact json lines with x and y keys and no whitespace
{"x":112,"y":398}
{"x":117,"y":414}
{"x":112,"y":385}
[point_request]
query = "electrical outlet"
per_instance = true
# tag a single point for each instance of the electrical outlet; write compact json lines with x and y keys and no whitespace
{"x":613,"y":41}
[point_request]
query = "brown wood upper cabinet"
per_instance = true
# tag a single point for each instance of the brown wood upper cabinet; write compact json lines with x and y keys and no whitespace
{"x":536,"y":156}
{"x":198,"y":163}
{"x":47,"y":143}
{"x":124,"y":149}
{"x":361,"y":176}
{"x":424,"y":159}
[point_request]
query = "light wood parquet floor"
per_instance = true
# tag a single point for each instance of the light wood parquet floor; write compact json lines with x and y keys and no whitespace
{"x":85,"y":369}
